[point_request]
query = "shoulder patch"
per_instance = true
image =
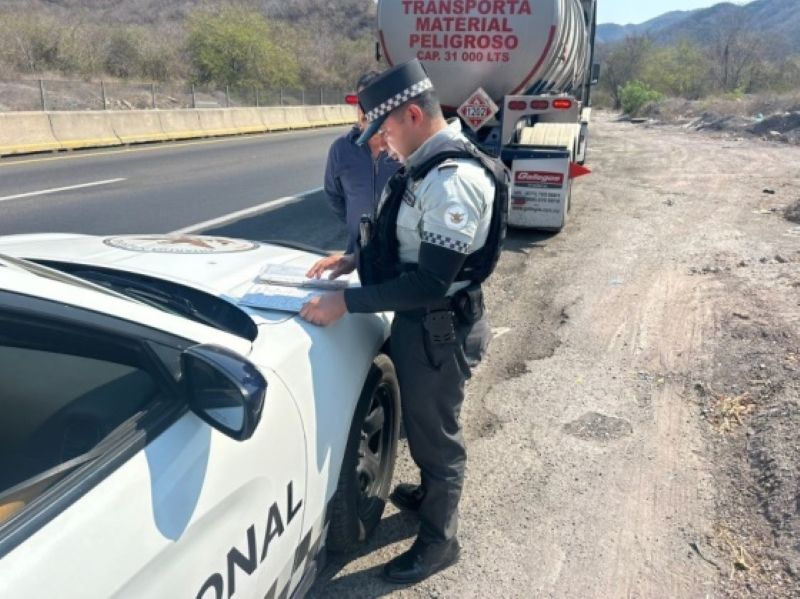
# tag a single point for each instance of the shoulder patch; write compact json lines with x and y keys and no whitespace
{"x":455,"y":217}
{"x":447,"y":164}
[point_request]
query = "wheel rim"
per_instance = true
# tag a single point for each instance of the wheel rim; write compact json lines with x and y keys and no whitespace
{"x":374,"y":450}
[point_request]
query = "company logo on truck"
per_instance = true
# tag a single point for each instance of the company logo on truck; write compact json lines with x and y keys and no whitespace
{"x":539,"y":179}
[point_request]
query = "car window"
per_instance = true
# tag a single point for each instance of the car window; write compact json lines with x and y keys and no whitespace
{"x":63,"y":391}
{"x":162,"y":294}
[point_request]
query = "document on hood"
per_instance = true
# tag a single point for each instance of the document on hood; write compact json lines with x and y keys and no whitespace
{"x":285,"y":298}
{"x":295,"y":276}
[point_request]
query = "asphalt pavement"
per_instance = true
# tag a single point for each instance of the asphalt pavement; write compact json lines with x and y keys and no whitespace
{"x":158,"y":188}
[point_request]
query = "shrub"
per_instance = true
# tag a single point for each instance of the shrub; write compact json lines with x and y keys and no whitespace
{"x":237,"y":48}
{"x":635,"y":95}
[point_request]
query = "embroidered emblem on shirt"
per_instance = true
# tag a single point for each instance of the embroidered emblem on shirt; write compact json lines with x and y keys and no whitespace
{"x":455,"y":217}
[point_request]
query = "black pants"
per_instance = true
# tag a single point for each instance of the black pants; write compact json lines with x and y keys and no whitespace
{"x":432,"y":391}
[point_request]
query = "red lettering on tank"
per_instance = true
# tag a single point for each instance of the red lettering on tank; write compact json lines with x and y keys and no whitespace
{"x":497,"y":8}
{"x":464,"y":24}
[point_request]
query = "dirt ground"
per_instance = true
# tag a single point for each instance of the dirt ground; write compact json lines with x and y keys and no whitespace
{"x":771,"y":117}
{"x":634,"y":430}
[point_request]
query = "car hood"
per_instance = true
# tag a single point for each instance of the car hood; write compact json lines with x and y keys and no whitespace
{"x":216,"y":265}
{"x":225,"y":268}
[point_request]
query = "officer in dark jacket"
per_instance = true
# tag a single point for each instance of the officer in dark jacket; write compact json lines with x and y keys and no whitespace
{"x":355,"y":175}
{"x":434,"y":240}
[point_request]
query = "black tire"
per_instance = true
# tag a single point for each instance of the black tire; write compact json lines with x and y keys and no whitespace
{"x":368,"y":464}
{"x":585,"y":147}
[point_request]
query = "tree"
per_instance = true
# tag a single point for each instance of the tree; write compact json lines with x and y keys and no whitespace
{"x":236,"y":47}
{"x":624,"y":63}
{"x":734,"y":50}
{"x":682,"y":70}
{"x":123,"y":53}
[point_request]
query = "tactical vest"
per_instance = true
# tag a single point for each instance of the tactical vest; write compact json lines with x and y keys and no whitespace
{"x":378,"y":258}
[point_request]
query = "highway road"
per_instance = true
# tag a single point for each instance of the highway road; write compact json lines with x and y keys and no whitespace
{"x":159,"y":188}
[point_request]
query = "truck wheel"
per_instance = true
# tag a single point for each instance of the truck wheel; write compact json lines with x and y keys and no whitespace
{"x":583,"y":145}
{"x":568,"y":201}
{"x":368,"y":464}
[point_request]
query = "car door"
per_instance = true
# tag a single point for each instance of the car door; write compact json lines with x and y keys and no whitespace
{"x":111,"y":486}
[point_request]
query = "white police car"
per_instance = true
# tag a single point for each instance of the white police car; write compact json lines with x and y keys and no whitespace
{"x":159,"y":440}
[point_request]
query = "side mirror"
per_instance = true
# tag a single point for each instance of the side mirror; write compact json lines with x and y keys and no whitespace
{"x":224,"y":389}
{"x":595,"y":73}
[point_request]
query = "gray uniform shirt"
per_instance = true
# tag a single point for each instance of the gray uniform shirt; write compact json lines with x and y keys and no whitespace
{"x":451,"y":207}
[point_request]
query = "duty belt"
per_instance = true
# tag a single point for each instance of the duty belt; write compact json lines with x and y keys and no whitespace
{"x":441,"y":305}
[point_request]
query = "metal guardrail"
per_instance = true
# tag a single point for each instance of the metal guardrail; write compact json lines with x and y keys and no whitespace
{"x":66,"y":95}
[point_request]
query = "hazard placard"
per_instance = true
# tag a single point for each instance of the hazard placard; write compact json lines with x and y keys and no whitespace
{"x":478,"y":109}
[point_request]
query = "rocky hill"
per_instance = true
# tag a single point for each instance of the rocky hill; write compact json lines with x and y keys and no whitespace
{"x":777,"y":20}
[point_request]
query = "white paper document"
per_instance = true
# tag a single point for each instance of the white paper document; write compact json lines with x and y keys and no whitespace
{"x":295,"y":276}
{"x":277,"y":297}
{"x":286,"y":288}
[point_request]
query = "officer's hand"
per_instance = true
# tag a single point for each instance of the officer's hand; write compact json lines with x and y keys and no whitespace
{"x":338,"y":265}
{"x":324,"y":310}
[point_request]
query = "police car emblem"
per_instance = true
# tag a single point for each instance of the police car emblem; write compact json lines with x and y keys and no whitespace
{"x":455,"y":217}
{"x":180,"y":244}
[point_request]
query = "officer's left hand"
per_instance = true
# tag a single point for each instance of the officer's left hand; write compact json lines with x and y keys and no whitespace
{"x":325,"y":309}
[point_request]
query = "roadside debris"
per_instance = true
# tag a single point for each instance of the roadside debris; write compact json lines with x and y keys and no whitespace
{"x":792,"y":213}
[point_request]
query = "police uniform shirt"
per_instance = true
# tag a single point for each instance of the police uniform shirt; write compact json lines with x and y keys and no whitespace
{"x":449,"y":209}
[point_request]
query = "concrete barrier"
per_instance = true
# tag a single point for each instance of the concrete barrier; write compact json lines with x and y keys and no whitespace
{"x":333,"y":115}
{"x":137,"y":127}
{"x":180,"y":124}
{"x":349,"y":113}
{"x":26,"y":132}
{"x":274,"y":118}
{"x":248,"y":120}
{"x":296,"y":117}
{"x":316,"y":116}
{"x":217,"y":121}
{"x":83,"y":129}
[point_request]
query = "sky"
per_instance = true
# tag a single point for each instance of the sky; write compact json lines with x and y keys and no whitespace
{"x":623,"y":12}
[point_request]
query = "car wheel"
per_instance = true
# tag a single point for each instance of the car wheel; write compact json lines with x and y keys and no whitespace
{"x":368,"y":463}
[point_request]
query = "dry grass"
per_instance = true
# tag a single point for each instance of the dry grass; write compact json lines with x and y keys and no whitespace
{"x":740,"y":559}
{"x":729,"y":410}
{"x":677,"y":110}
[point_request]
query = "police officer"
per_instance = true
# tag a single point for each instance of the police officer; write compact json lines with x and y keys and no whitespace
{"x":356,"y":174}
{"x":436,"y":237}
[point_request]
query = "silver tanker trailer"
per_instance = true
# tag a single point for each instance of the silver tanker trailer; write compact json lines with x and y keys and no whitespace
{"x":519,"y":74}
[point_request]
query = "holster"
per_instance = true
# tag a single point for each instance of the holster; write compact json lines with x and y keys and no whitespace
{"x":439,"y":333}
{"x":468,"y":304}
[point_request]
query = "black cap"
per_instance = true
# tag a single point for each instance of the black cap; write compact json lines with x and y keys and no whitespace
{"x":391,"y":89}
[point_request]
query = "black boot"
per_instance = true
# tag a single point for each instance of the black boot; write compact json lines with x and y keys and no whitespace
{"x":421,"y":561}
{"x":407,"y":497}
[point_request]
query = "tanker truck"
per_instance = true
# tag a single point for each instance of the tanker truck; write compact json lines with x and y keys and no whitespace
{"x":519,"y":74}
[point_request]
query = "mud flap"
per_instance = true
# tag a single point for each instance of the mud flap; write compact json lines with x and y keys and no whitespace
{"x":539,"y":194}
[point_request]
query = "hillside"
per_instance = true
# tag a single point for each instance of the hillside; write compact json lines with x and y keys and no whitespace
{"x":611,"y":32}
{"x":779,"y":20}
{"x":353,"y":18}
